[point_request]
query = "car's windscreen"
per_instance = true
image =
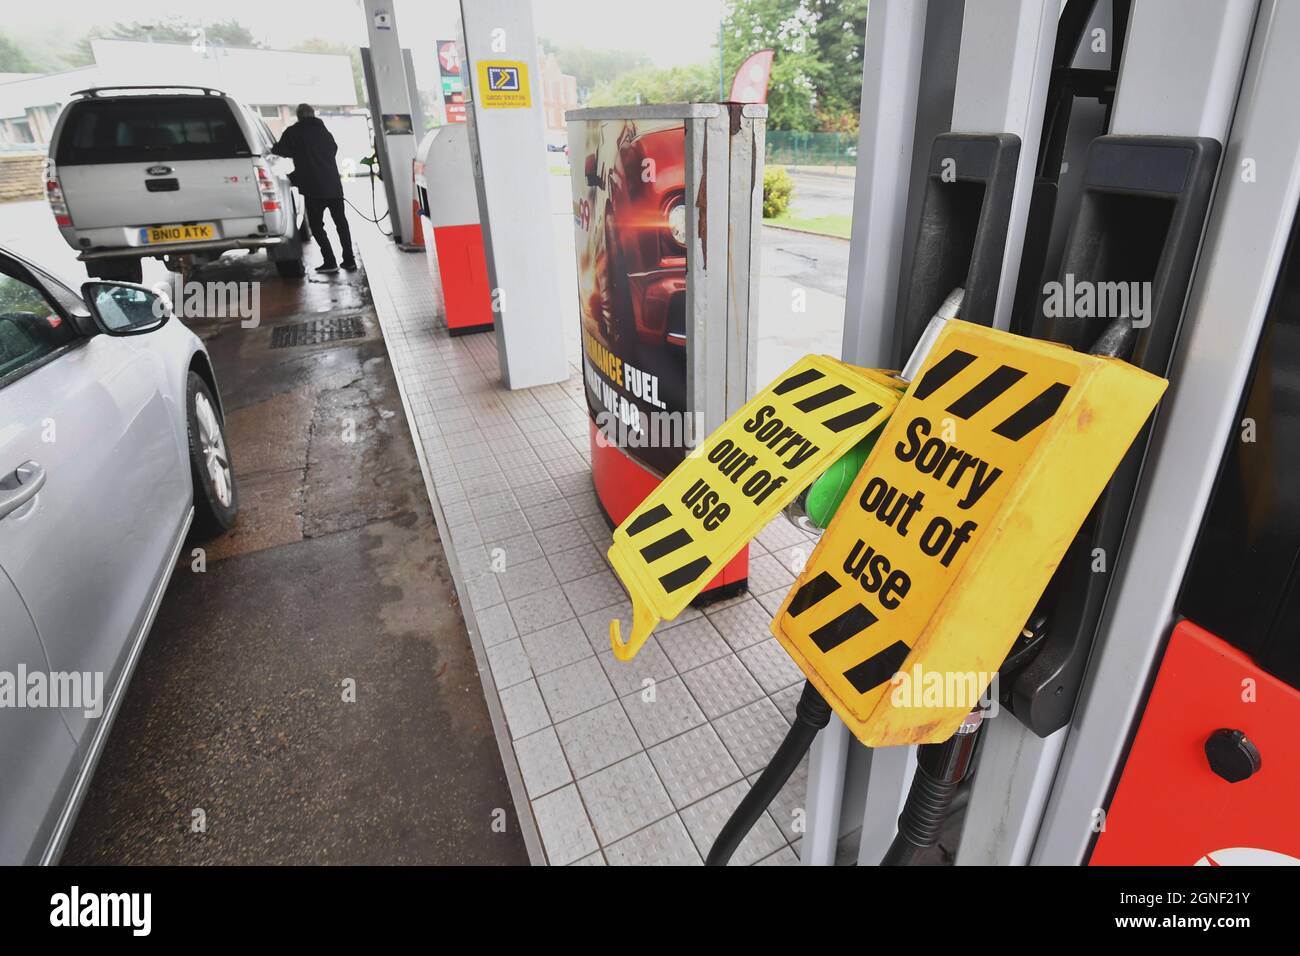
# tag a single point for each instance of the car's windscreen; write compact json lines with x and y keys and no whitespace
{"x":148,"y":129}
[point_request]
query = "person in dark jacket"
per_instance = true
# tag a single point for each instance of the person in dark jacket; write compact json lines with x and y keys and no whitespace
{"x":311,"y":147}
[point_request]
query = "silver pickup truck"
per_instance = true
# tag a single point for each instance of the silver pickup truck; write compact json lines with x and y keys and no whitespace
{"x":184,"y":174}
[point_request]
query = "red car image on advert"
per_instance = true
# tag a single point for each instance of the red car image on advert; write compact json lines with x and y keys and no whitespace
{"x":629,"y":212}
{"x":632,"y":273}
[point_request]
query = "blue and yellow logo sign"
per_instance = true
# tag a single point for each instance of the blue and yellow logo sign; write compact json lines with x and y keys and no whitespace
{"x":503,"y":85}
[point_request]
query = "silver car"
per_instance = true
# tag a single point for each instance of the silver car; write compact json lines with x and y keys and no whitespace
{"x":112,"y":444}
{"x":176,"y":173}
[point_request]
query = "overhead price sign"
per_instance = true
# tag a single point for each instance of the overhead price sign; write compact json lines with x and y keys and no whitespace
{"x":736,"y":481}
{"x":953,"y":527}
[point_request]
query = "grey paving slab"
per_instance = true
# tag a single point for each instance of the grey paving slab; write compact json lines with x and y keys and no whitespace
{"x":532,"y":612}
{"x":624,"y":798}
{"x":704,"y":821}
{"x":579,"y":562}
{"x":496,"y":626}
{"x":519,"y":579}
{"x":663,"y":710}
{"x":566,"y":832}
{"x":524,"y":709}
{"x":571,"y":690}
{"x":693,"y":765}
{"x":691,"y":643}
{"x":595,"y":591}
{"x":542,"y":763}
{"x":722,"y":686}
{"x":665,"y":843}
{"x":509,"y":664}
{"x":742,"y":624}
{"x":649,"y":666}
{"x":598,"y":738}
{"x":752,"y":733}
{"x":770,"y":665}
{"x":556,"y":646}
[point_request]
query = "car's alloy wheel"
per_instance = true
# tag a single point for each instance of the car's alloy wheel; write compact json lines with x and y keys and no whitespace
{"x":216,"y":496}
{"x":213,"y":447}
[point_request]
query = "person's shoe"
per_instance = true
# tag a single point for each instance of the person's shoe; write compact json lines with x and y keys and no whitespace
{"x":327,"y":267}
{"x":348,"y":265}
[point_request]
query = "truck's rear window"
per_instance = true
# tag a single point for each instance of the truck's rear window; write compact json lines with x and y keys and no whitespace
{"x":149,"y":129}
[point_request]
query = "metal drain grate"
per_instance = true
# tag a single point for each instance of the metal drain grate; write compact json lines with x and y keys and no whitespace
{"x":317,"y":332}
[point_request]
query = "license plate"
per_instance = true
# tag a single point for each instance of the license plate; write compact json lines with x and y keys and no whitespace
{"x":188,"y":233}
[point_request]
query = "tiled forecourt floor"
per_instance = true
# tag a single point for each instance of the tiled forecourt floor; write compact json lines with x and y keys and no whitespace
{"x":616,"y":768}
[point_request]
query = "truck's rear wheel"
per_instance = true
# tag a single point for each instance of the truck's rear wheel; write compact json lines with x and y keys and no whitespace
{"x":120,"y":269}
{"x":290,"y":268}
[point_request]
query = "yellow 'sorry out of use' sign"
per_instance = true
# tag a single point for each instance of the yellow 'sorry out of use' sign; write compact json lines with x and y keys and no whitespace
{"x":952,"y":529}
{"x":737,"y":480}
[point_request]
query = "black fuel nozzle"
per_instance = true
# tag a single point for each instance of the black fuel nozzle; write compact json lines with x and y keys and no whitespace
{"x":940,"y":769}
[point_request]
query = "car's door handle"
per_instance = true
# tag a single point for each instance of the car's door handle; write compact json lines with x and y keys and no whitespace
{"x":20,"y":486}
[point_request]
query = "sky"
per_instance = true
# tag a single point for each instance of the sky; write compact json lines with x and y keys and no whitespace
{"x":676,"y":33}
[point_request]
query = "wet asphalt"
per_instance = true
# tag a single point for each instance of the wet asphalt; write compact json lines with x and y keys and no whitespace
{"x":310,"y":695}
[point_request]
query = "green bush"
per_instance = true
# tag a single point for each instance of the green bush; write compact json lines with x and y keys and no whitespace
{"x":778,"y":188}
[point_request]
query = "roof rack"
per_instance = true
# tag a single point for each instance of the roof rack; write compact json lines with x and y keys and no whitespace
{"x":96,"y":91}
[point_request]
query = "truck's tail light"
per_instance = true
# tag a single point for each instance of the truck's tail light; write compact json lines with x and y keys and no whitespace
{"x":54,"y":195}
{"x":266,"y":186}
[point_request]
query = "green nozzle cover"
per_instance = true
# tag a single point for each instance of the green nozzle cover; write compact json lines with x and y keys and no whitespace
{"x":828,"y":491}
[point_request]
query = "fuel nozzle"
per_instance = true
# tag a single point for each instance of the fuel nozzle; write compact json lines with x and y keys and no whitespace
{"x":948,"y":309}
{"x":813,"y":508}
{"x":940,"y":769}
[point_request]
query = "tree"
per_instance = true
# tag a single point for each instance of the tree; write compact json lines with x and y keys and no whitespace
{"x":678,"y":84}
{"x":13,"y":58}
{"x":594,"y":68}
{"x":817,"y":71}
{"x":230,"y":33}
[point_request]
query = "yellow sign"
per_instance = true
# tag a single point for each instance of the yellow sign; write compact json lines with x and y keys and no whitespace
{"x":954,"y":525}
{"x":733,"y":484}
{"x":503,"y":85}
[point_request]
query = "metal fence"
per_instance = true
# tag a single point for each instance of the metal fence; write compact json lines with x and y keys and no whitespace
{"x":785,"y":148}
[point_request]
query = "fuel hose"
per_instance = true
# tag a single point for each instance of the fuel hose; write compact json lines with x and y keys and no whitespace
{"x":812,"y":713}
{"x":813,"y":510}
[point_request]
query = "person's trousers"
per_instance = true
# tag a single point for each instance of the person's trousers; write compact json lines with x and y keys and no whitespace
{"x":316,"y":220}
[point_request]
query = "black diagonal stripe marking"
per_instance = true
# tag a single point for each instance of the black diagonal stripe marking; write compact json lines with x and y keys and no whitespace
{"x":878,"y":668}
{"x":1034,"y":414}
{"x":684,"y":575}
{"x":813,"y":592}
{"x":832,"y":394}
{"x":797,"y":381}
{"x":994,"y":384}
{"x":855,"y":416}
{"x":666,"y":545}
{"x":648,"y":520}
{"x":942,"y":372}
{"x":853,"y":621}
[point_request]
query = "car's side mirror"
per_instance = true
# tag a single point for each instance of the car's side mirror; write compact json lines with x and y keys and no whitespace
{"x":124,"y":308}
{"x":589,"y":170}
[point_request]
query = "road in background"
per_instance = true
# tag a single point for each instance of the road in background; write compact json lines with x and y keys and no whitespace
{"x":819,"y":193}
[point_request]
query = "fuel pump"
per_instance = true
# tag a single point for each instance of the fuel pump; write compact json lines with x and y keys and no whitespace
{"x":943,"y":763}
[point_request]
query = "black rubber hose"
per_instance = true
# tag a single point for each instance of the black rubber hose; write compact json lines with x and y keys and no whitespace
{"x":811,"y":715}
{"x":923,"y":816}
{"x":940,"y":769}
